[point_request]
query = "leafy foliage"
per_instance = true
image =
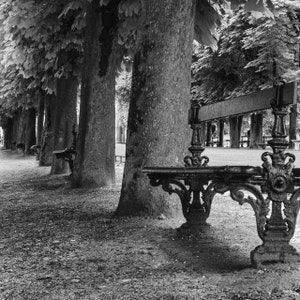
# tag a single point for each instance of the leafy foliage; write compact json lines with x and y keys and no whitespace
{"x":35,"y":33}
{"x":253,"y":53}
{"x":123,"y":90}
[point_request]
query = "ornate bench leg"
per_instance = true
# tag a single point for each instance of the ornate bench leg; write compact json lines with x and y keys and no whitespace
{"x":198,"y":210}
{"x":278,"y":233}
{"x":275,"y":231}
{"x":193,"y":210}
{"x":175,"y":186}
{"x":279,"y":183}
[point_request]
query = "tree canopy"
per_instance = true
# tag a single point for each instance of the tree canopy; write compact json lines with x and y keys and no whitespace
{"x":33,"y":34}
{"x":253,"y":52}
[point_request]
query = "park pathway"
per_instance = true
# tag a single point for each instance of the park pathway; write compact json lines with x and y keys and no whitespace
{"x":15,"y":167}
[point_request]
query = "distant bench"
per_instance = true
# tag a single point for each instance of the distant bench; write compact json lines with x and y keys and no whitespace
{"x":68,"y":154}
{"x":196,"y":183}
{"x":296,"y":144}
{"x":120,"y":158}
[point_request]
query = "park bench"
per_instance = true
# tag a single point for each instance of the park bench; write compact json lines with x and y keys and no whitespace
{"x":68,"y":154}
{"x":296,"y":144}
{"x":272,"y":187}
{"x":20,"y":147}
{"x":120,"y":158}
{"x":36,"y":149}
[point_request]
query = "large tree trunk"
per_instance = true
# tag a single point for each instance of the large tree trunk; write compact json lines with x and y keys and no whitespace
{"x":235,"y":124}
{"x":47,"y":141}
{"x":29,"y":134}
{"x":95,"y":161}
{"x":64,"y":120}
{"x":256,"y":131}
{"x":158,"y":133}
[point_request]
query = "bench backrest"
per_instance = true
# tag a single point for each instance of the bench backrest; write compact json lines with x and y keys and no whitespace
{"x":246,"y":104}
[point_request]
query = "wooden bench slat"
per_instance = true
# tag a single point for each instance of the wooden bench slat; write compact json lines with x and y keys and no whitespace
{"x":249,"y":103}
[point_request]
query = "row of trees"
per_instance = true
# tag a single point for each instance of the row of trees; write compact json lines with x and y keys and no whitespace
{"x":49,"y":48}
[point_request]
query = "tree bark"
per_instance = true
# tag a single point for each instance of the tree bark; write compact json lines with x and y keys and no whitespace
{"x":235,"y":124}
{"x":256,"y":131}
{"x":65,"y":118}
{"x":47,"y":140}
{"x":158,"y":134}
{"x":95,"y":161}
{"x":29,"y":134}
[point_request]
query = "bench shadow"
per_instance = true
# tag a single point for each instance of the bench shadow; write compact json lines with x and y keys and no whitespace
{"x":204,"y":250}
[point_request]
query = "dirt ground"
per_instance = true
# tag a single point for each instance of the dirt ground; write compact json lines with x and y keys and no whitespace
{"x":61,"y":243}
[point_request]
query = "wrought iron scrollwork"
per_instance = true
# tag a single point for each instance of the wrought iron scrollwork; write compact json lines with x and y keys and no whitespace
{"x":208,"y":195}
{"x":175,"y":186}
{"x":260,"y":205}
{"x":291,"y":210}
{"x":278,"y":169}
{"x":196,"y":161}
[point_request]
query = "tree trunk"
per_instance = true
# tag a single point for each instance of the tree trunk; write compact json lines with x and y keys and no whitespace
{"x":29,"y":134}
{"x":64,"y":120}
{"x":19,"y":125}
{"x":293,"y":126}
{"x":14,"y":130}
{"x":256,"y":131}
{"x":221,"y":133}
{"x":40,"y":120}
{"x":158,"y":133}
{"x":235,"y":124}
{"x":8,"y":134}
{"x":208,"y":134}
{"x":95,"y":161}
{"x":202,"y":132}
{"x":47,"y":140}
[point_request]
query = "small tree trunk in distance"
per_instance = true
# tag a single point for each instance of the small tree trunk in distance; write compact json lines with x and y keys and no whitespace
{"x":47,"y":141}
{"x":293,"y":125}
{"x":221,"y":133}
{"x":158,"y":134}
{"x":203,"y":133}
{"x":65,"y":118}
{"x":8,"y":134}
{"x":208,"y":134}
{"x":30,"y":136}
{"x":40,"y":120}
{"x":19,"y":126}
{"x":95,"y":161}
{"x":256,"y":130}
{"x":15,"y":128}
{"x":235,"y":124}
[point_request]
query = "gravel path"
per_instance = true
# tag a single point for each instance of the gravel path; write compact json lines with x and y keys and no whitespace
{"x":61,"y":243}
